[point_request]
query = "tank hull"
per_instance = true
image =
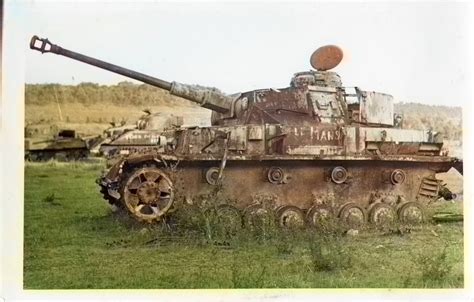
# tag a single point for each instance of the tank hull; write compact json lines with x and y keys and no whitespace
{"x":61,"y":155}
{"x":62,"y":149}
{"x":305,"y":184}
{"x":308,"y":182}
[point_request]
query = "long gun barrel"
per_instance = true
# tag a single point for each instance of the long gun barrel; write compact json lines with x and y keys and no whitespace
{"x":209,"y":98}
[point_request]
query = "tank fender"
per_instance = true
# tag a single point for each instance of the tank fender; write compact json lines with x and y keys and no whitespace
{"x":110,"y":182}
{"x":117,"y":169}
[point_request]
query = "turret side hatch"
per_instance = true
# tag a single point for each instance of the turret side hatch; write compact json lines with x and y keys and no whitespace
{"x":370,"y":108}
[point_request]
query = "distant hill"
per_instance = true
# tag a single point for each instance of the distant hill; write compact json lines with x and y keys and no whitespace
{"x":444,"y":119}
{"x":124,"y":93}
{"x":94,"y":103}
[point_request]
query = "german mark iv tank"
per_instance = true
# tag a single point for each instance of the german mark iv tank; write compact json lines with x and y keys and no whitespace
{"x":316,"y":147}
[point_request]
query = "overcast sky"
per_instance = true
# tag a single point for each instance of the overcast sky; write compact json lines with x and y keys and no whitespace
{"x":414,"y":51}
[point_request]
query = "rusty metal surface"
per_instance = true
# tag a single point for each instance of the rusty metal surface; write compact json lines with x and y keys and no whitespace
{"x":313,"y":149}
{"x":326,"y":57}
{"x":377,"y":108}
{"x":306,"y":183}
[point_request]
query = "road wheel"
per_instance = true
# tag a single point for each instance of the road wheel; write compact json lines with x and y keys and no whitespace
{"x":229,"y":217}
{"x":382,"y":214}
{"x":411,"y":212}
{"x":320,"y":216}
{"x":290,"y":217}
{"x":352,"y":215}
{"x":257,"y":216}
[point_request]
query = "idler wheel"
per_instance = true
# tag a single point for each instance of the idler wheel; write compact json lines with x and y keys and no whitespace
{"x":352,"y":215}
{"x":339,"y":175}
{"x":382,"y":214}
{"x":411,"y":212}
{"x":397,"y":177}
{"x":212,"y":176}
{"x":275,"y":175}
{"x":148,"y":194}
{"x":320,"y":216}
{"x":290,"y":217}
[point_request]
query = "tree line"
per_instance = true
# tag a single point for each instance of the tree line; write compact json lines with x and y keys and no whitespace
{"x":444,"y":119}
{"x":124,"y":93}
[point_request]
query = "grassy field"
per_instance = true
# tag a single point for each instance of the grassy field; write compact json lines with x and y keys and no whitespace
{"x":73,"y":240}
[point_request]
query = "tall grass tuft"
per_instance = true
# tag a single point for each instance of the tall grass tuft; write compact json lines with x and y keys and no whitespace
{"x":205,"y":219}
{"x":434,"y":266}
{"x":248,"y":275}
{"x":328,"y":252}
{"x":51,"y":199}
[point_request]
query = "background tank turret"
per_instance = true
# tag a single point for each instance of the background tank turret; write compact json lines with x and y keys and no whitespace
{"x":313,"y":150}
{"x":140,"y":137}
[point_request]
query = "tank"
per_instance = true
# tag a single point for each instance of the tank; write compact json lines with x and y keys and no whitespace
{"x":66,"y":145}
{"x":304,"y":153}
{"x":140,"y":137}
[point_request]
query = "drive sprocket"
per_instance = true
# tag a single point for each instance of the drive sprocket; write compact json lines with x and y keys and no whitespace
{"x":147,"y":194}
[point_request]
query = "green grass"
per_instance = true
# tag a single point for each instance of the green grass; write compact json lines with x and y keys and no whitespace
{"x":73,"y":240}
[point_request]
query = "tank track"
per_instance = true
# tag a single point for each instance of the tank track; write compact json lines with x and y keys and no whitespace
{"x":61,"y":155}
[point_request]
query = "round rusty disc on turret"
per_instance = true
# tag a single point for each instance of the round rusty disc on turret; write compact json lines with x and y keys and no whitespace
{"x":326,"y":57}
